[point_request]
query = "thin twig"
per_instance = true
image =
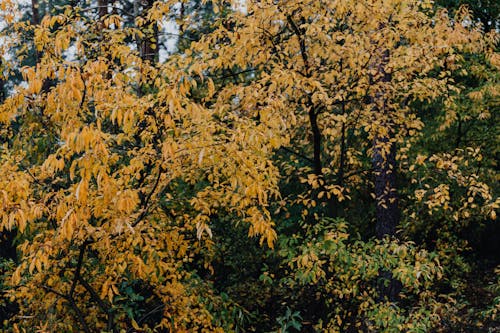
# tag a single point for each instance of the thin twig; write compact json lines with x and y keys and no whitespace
{"x":148,"y":198}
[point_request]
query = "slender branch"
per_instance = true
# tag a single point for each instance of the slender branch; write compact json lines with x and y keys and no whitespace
{"x":314,"y":110}
{"x":84,"y":95}
{"x":52,"y":290}
{"x":297,"y":154}
{"x":104,"y":306}
{"x":232,"y":74}
{"x":302,"y":43}
{"x":343,"y":150}
{"x":30,"y":174}
{"x":148,"y":198}
{"x":316,"y":141}
{"x":79,"y":314}
{"x":78,"y":268}
{"x":271,"y":39}
{"x":72,"y":305}
{"x":93,"y":294}
{"x":153,"y":311}
{"x":356,"y":172}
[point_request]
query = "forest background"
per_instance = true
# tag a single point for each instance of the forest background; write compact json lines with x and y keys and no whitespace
{"x":260,"y":166}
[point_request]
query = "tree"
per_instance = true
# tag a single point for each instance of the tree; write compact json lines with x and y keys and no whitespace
{"x":345,"y":79}
{"x":122,"y":175}
{"x":112,"y":189}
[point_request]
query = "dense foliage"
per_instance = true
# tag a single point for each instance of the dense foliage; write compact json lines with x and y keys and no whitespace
{"x":289,"y":166}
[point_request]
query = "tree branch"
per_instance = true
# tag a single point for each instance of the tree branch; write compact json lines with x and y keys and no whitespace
{"x":310,"y":160}
{"x":106,"y":308}
{"x":148,"y":198}
{"x":302,"y":44}
{"x":78,"y":268}
{"x":72,"y":304}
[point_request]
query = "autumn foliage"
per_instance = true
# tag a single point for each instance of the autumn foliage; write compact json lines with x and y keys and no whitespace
{"x":295,"y":166}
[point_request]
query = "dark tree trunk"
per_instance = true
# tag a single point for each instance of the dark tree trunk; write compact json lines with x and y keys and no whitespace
{"x":384,"y":158}
{"x":2,"y":85}
{"x":35,"y":20}
{"x":316,"y":140}
{"x":343,"y":152}
{"x":384,"y":173}
{"x":35,"y":12}
{"x":102,"y":11}
{"x":103,"y":8}
{"x":384,"y":169}
{"x":149,"y":44}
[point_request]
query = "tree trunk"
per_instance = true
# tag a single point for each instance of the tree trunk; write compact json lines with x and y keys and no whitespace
{"x":102,"y":11}
{"x":35,"y":12}
{"x":316,"y":140}
{"x":149,"y":44}
{"x":384,"y":169}
{"x":384,"y":173}
{"x":103,"y":8}
{"x":2,"y":85}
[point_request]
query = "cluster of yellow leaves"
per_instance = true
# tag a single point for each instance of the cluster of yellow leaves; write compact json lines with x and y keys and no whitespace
{"x":306,"y":60}
{"x":111,"y":182}
{"x":16,"y":198}
{"x":476,"y":198}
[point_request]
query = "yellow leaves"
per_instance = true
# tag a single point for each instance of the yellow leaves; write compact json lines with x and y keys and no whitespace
{"x":51,"y":21}
{"x":9,"y":11}
{"x":35,"y":86}
{"x":9,"y":107}
{"x":254,"y":190}
{"x":81,"y":191}
{"x":16,"y":276}
{"x":210,"y":88}
{"x":127,"y":201}
{"x":20,"y":219}
{"x":420,"y":160}
{"x":113,"y":21}
{"x":53,"y":164}
{"x":476,"y":95}
{"x":135,"y":325}
{"x":313,"y":180}
{"x":105,"y":145}
{"x":270,"y":236}
{"x":447,"y":164}
{"x":215,"y":7}
{"x":116,"y":121}
{"x":34,"y":83}
{"x":202,"y":226}
{"x":460,"y":196}
{"x":16,"y":206}
{"x":185,"y":86}
{"x":419,"y":194}
{"x":88,"y":139}
{"x":125,"y":113}
{"x":494,"y":59}
{"x":16,"y":218}
{"x":338,"y":192}
{"x":62,"y":42}
{"x":200,"y":156}
{"x":108,"y":290}
{"x":440,"y":197}
{"x":42,"y":38}
{"x":260,"y":224}
{"x":68,"y":225}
